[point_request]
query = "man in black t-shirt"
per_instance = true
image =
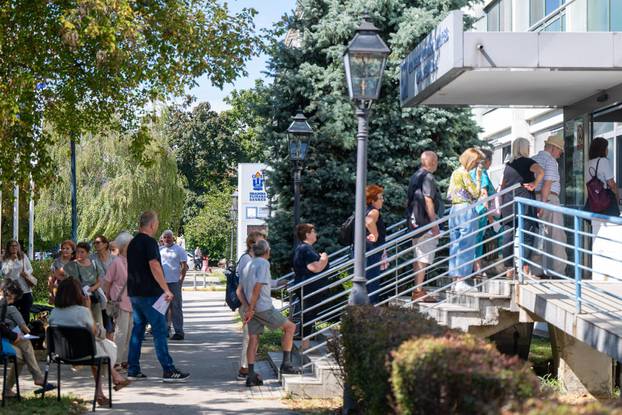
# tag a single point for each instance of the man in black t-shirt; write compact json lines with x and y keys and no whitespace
{"x":145,"y":285}
{"x":424,"y":203}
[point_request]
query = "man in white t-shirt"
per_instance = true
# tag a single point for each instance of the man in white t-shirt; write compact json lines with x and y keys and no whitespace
{"x":174,"y":264}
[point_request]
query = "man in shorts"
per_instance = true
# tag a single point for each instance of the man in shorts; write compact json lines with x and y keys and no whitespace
{"x":423,"y":204}
{"x":255,"y":284}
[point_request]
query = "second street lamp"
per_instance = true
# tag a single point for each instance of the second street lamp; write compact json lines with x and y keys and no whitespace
{"x":299,"y":134}
{"x":364,"y":59}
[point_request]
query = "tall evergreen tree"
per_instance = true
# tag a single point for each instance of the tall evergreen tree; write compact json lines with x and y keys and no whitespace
{"x":311,"y":75}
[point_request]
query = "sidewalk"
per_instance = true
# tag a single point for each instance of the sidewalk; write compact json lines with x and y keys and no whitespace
{"x":210,"y":353}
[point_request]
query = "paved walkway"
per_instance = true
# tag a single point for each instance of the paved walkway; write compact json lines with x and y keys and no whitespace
{"x":210,"y":353}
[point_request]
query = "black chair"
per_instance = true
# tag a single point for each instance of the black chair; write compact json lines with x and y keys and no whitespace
{"x":6,"y":359}
{"x":74,"y":346}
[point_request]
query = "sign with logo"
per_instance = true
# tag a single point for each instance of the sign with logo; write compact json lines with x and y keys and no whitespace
{"x":436,"y":59}
{"x":258,"y":192}
{"x":252,"y":204}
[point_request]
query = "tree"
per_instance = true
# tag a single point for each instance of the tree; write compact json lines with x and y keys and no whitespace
{"x":85,"y":64}
{"x":113,"y":189}
{"x":312,"y":76}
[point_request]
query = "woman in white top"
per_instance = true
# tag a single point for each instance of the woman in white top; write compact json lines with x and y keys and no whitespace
{"x":599,"y":166}
{"x":16,"y":266}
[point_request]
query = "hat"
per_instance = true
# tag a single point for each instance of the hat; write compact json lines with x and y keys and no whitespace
{"x":555,"y":140}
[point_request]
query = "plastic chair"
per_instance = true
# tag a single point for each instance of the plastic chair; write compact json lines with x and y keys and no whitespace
{"x":7,"y":356}
{"x":75,"y":346}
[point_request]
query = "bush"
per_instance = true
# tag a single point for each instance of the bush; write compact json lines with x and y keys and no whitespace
{"x":553,"y":407}
{"x":369,"y":334}
{"x":457,"y":374}
{"x":41,"y":270}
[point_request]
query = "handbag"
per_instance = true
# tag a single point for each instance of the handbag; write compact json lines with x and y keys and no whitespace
{"x":113,"y":307}
{"x":31,"y":280}
{"x":599,"y":198}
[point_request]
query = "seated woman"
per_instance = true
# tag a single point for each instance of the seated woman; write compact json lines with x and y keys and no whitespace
{"x":57,"y":273}
{"x":72,"y":310}
{"x":11,"y":318}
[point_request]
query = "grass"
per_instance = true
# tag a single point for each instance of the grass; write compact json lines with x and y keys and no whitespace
{"x":551,"y":383}
{"x":314,"y":406}
{"x":31,"y":405}
{"x":269,"y":341}
{"x":541,"y":356}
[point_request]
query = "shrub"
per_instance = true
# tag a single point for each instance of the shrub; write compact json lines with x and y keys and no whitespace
{"x":554,"y":407}
{"x":369,"y":334}
{"x":457,"y":374}
{"x":41,"y":270}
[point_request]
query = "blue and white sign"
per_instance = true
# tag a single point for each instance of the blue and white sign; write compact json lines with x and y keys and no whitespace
{"x":253,"y":206}
{"x":437,"y":58}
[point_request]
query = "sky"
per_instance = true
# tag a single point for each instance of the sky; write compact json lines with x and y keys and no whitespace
{"x":268,"y":12}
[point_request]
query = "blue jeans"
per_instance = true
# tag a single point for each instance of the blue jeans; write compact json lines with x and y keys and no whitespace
{"x":177,"y":314}
{"x":143,"y":313}
{"x":462,"y":251}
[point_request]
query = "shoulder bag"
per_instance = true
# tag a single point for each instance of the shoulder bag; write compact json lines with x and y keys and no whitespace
{"x":113,"y":307}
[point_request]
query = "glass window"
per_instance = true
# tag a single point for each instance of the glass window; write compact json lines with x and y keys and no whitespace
{"x":551,"y":5}
{"x":598,"y":15}
{"x":616,"y":16}
{"x":505,"y":153}
{"x":493,"y":18}
{"x":536,"y":11}
{"x":557,"y":25}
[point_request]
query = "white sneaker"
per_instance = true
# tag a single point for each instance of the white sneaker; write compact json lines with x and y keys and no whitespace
{"x":461,"y":287}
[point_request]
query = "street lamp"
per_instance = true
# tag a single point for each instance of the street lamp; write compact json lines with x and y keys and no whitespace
{"x":233,"y":213}
{"x":299,"y":134}
{"x":364,"y":59}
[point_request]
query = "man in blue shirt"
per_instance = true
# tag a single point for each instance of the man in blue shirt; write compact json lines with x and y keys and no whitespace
{"x":175,"y":265}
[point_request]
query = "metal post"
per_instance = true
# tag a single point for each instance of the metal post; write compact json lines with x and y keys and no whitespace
{"x":521,"y":241}
{"x":31,"y":222}
{"x":74,"y":191}
{"x":577,"y":263}
{"x":358,"y":294}
{"x":297,"y":172}
{"x":16,"y":212}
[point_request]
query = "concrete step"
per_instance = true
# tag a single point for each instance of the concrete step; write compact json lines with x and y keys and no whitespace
{"x":453,"y":316}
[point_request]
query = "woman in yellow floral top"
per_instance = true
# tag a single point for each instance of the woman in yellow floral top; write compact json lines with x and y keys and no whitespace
{"x":463,"y":225}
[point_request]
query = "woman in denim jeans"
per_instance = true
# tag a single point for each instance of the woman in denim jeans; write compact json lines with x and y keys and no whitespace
{"x":463,"y":225}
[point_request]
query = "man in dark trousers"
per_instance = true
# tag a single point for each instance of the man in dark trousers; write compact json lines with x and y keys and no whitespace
{"x":145,"y":285}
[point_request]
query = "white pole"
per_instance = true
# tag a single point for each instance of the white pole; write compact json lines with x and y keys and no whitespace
{"x":16,"y":212}
{"x":31,"y":222}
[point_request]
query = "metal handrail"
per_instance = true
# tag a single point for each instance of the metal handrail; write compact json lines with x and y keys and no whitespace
{"x":551,"y":16}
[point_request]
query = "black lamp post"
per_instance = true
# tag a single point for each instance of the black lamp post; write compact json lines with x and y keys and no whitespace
{"x":364,"y":58}
{"x":233,"y":213}
{"x":299,"y":134}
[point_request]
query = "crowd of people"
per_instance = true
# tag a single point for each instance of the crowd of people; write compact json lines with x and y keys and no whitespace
{"x":110,"y":292}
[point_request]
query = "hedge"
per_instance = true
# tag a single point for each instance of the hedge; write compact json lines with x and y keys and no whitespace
{"x":41,"y":270}
{"x":369,"y":334}
{"x":457,"y":374}
{"x":554,"y":407}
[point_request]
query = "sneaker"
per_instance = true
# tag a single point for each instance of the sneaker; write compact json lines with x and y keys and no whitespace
{"x":253,"y":381}
{"x":289,"y":369}
{"x":177,"y":337}
{"x":137,"y":376}
{"x":462,"y":287}
{"x":242,"y":375}
{"x":175,"y":376}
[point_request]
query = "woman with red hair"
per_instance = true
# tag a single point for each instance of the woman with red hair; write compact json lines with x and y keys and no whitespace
{"x":376,"y":236}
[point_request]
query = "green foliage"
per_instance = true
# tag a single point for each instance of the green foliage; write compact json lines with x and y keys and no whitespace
{"x":457,"y":374}
{"x":555,"y":407}
{"x":312,"y":76}
{"x":113,"y":188}
{"x":103,"y":61}
{"x":211,"y":227}
{"x":32,"y":404}
{"x":368,"y":336}
{"x":41,"y":270}
{"x":269,"y":341}
{"x":541,"y":356}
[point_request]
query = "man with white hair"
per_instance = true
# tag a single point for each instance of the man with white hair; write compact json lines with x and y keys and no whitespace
{"x":175,"y":266}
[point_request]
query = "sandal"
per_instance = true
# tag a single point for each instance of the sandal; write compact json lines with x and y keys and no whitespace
{"x":102,"y":401}
{"x":120,"y":385}
{"x":45,"y":388}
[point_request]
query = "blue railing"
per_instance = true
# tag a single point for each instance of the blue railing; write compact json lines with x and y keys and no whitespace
{"x":583,"y":254}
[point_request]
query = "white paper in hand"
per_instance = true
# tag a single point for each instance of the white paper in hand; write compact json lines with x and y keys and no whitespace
{"x":31,"y":337}
{"x":86,"y":291}
{"x":161,"y":304}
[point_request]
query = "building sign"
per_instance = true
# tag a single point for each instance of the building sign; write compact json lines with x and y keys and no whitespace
{"x":258,"y":192}
{"x":438,"y":56}
{"x":253,"y":208}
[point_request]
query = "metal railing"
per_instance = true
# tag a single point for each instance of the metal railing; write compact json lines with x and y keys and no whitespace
{"x":320,"y":300}
{"x":549,"y":18}
{"x":579,"y":248}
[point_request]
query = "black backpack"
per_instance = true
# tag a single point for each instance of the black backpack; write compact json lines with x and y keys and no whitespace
{"x":233,"y":280}
{"x":346,"y":232}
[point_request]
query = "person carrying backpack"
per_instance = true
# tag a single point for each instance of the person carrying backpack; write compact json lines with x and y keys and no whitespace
{"x":602,"y":190}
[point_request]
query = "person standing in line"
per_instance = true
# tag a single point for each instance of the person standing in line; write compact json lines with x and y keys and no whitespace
{"x":90,"y":274}
{"x":260,"y":312}
{"x":553,"y":264}
{"x":241,"y":270}
{"x":104,"y":258}
{"x":307,"y":264}
{"x":16,"y":266}
{"x":198,"y":259}
{"x":600,"y":168}
{"x":57,"y":272}
{"x":487,"y":189}
{"x":376,"y":236}
{"x":463,"y":192}
{"x":424,"y":204}
{"x":115,"y":288}
{"x":145,"y":285}
{"x":175,"y":266}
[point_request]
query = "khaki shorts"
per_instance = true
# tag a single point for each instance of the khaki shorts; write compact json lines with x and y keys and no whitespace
{"x":424,"y":248}
{"x":271,"y":318}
